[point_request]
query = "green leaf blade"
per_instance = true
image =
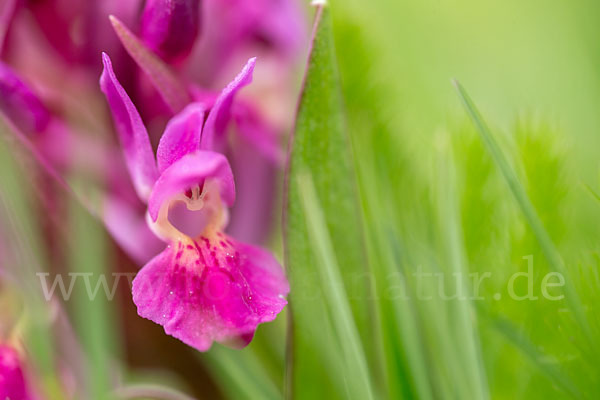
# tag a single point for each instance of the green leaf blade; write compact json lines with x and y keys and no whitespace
{"x":320,"y":148}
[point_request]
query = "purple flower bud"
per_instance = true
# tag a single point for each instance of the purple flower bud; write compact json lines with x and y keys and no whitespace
{"x":20,"y":104}
{"x":170,"y":27}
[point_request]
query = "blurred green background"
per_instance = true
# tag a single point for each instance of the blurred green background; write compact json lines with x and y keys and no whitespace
{"x":534,"y":57}
{"x":532,"y":69}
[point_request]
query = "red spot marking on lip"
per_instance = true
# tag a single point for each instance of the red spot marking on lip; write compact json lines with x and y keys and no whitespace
{"x":215,"y":260}
{"x":200,"y":255}
{"x":190,"y":247}
{"x":206,"y":241}
{"x":223,"y":244}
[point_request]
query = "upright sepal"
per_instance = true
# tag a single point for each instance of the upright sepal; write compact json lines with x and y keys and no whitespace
{"x":221,"y":110}
{"x":132,"y":132}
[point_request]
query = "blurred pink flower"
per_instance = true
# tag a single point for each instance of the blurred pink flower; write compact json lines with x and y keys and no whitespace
{"x":12,"y":378}
{"x":79,"y":29}
{"x":233,"y":29}
{"x":205,"y":286}
{"x":54,"y":140}
{"x":7,"y":11}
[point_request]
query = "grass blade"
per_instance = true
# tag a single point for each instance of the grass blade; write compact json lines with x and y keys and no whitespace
{"x":93,"y":317}
{"x":592,"y":192}
{"x":320,"y":147}
{"x":465,"y":327}
{"x":529,"y":350}
{"x":337,"y":300}
{"x":529,"y":212}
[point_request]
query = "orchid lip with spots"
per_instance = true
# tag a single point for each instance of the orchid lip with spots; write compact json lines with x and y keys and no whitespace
{"x":207,"y":286}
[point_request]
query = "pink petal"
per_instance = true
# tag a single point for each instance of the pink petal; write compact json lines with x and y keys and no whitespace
{"x":181,"y":137}
{"x":211,"y":289}
{"x":220,"y":112}
{"x":132,"y":132}
{"x":12,"y":379}
{"x":206,"y":97}
{"x":192,"y":169}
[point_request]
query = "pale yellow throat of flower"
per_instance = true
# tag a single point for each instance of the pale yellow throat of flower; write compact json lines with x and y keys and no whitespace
{"x":205,"y":199}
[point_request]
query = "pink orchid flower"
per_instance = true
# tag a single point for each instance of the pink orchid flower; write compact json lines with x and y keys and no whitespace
{"x":254,"y":148}
{"x":12,"y":377}
{"x":205,"y":286}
